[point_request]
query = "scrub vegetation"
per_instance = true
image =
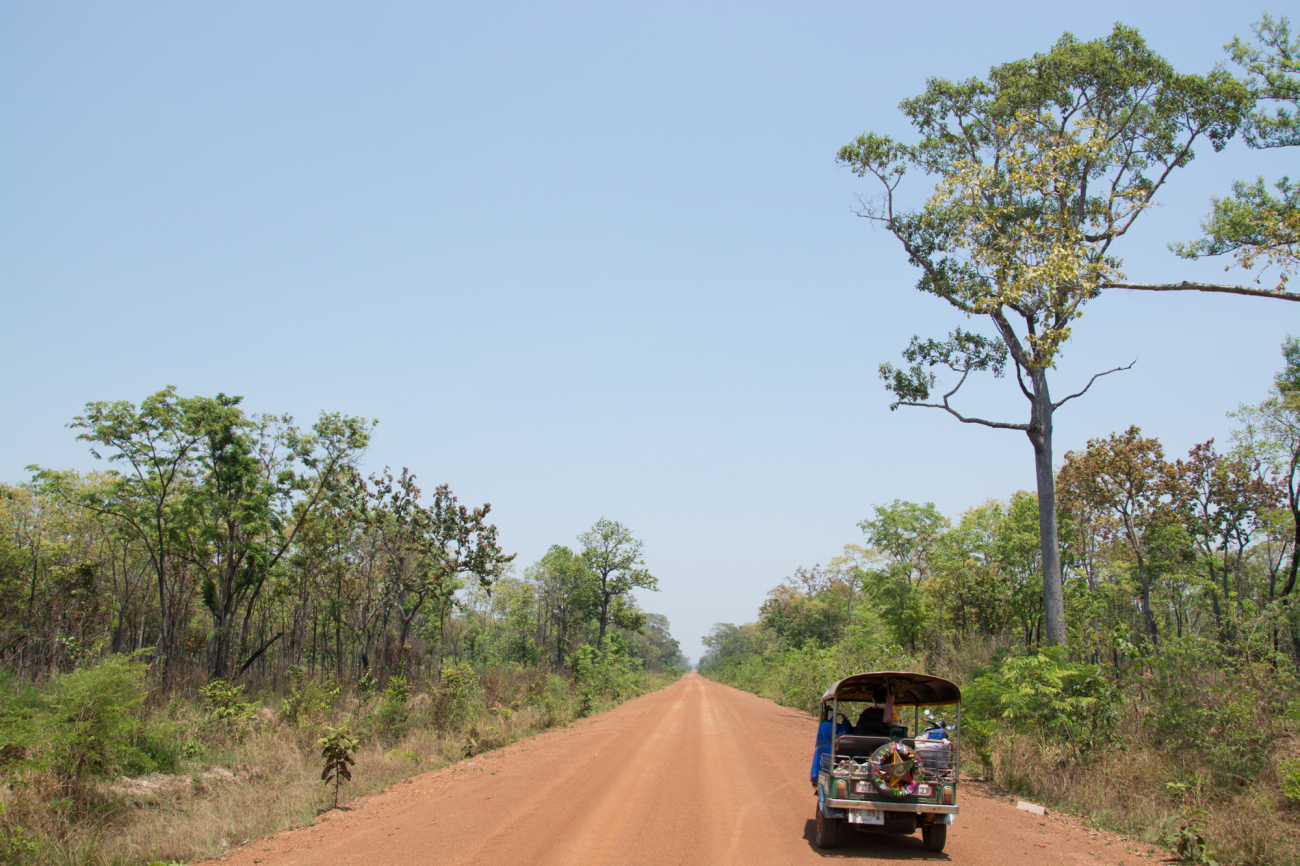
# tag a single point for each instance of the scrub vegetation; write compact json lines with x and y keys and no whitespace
{"x":1127,"y":635}
{"x":232,"y":630}
{"x":1172,"y":713}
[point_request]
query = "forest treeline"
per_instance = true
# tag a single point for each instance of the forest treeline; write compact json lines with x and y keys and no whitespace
{"x":183,"y":631}
{"x":232,"y":545}
{"x":1174,"y":709}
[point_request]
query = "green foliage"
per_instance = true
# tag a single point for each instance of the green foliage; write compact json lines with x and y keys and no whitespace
{"x":17,"y":846}
{"x":1184,"y":835}
{"x":92,"y":716}
{"x":367,"y":684}
{"x":1046,"y":692}
{"x":337,"y":747}
{"x":393,"y":712}
{"x":309,"y":698}
{"x":1288,"y":771}
{"x":601,"y":673}
{"x":228,"y":709}
{"x":1253,"y":225}
{"x":613,"y":555}
{"x":458,"y":694}
{"x":86,"y":725}
{"x":398,"y":690}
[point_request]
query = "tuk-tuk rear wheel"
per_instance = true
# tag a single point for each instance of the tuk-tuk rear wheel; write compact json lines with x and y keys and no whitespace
{"x":827,"y":830}
{"x":933,"y":836}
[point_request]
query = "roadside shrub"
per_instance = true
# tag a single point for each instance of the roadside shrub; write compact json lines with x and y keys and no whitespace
{"x":602,"y":673}
{"x":1047,"y":693}
{"x":457,"y":695}
{"x":87,"y":724}
{"x":309,"y":698}
{"x":228,"y":709}
{"x":392,"y":712}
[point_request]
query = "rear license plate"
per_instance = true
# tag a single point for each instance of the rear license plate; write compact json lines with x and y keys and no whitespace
{"x":866,"y":816}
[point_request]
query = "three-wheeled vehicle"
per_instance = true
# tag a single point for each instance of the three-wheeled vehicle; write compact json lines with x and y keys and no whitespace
{"x":870,"y":774}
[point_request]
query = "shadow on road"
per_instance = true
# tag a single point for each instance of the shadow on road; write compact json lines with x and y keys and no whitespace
{"x":880,"y":846}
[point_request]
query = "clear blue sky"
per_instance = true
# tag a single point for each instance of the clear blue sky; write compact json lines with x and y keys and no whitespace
{"x":580,"y":260}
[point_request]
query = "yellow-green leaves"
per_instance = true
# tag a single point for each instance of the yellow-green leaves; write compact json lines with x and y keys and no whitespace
{"x":1023,"y":217}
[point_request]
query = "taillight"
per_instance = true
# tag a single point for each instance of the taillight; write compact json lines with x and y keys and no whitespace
{"x":840,"y":787}
{"x":947,"y":795}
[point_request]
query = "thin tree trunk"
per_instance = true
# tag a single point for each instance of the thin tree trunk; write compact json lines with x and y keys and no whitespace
{"x":1040,"y":435}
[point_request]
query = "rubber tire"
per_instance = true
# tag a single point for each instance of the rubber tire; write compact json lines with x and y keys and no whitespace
{"x":828,"y":831}
{"x":934,"y":836}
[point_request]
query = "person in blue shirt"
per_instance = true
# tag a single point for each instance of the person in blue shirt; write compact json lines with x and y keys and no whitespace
{"x":823,"y":747}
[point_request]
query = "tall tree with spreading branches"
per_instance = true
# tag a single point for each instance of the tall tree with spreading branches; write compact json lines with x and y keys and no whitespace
{"x":613,"y":555}
{"x":1042,"y":167}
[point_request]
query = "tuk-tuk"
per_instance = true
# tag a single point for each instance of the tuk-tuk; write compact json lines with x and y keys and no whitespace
{"x":887,"y":757}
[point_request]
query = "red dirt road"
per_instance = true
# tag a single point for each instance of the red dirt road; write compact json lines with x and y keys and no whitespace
{"x":697,"y":773}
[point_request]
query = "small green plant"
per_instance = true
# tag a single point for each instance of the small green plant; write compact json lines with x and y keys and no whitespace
{"x":367,"y":684}
{"x":89,"y":722}
{"x":399,"y":689}
{"x":16,"y":846}
{"x":456,"y":695}
{"x":337,"y":747}
{"x":1184,"y":835}
{"x":1288,"y":772}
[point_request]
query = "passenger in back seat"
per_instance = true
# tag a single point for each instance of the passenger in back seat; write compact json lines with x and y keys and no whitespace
{"x":872,"y":723}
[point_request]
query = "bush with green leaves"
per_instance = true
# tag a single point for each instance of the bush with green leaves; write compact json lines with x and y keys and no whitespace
{"x":228,"y":708}
{"x":393,"y":710}
{"x":1288,"y":773}
{"x":309,"y":698}
{"x":1184,"y":835}
{"x":87,"y":724}
{"x":16,"y":845}
{"x":1046,"y":692}
{"x":458,"y":695}
{"x":602,"y":673}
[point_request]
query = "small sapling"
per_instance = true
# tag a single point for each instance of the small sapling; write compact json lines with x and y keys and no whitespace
{"x":336,"y":748}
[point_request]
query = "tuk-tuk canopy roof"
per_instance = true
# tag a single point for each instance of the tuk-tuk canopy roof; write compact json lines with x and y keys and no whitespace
{"x":909,"y":689}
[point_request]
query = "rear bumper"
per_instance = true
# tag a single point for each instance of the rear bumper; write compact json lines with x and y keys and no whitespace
{"x":922,"y":808}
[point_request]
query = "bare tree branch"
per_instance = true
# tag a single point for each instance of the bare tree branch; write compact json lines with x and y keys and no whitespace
{"x":1059,"y":403}
{"x":1002,"y":425}
{"x":1205,"y":287}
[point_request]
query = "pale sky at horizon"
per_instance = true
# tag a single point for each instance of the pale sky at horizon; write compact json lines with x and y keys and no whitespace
{"x":580,"y":260}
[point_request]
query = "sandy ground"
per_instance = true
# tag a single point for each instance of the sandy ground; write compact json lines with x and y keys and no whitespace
{"x":697,"y":773}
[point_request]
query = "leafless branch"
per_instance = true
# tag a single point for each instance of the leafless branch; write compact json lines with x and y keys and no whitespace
{"x":1059,"y":403}
{"x":1205,"y":287}
{"x":1001,"y":425}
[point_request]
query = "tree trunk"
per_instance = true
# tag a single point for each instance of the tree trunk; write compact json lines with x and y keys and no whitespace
{"x":604,"y":617}
{"x":1147,"y":616}
{"x":1040,"y":435}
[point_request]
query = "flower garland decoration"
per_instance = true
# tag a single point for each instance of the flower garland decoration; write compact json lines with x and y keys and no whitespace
{"x":894,"y":770}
